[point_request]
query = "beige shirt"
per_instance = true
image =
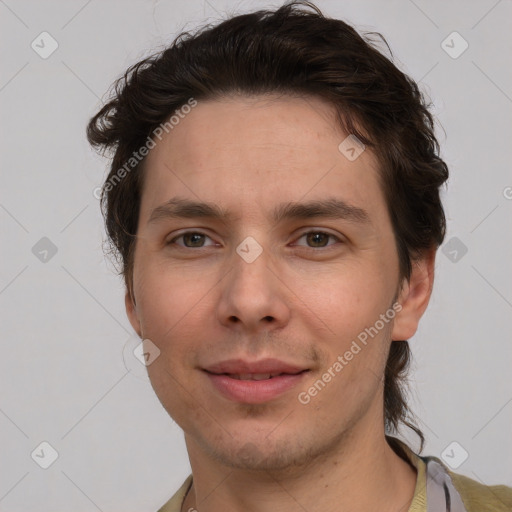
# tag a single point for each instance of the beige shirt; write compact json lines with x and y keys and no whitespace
{"x":476,"y":497}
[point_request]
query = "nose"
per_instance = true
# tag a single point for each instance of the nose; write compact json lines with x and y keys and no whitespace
{"x":253,"y":298}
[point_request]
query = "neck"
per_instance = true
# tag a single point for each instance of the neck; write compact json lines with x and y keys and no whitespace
{"x":362,"y":474}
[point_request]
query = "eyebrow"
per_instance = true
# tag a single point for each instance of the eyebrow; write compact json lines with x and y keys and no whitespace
{"x":332,"y":208}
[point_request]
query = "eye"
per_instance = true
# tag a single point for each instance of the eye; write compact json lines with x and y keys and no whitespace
{"x":318,"y":239}
{"x":191,"y":239}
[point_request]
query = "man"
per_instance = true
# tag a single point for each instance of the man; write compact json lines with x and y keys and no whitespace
{"x":274,"y":199}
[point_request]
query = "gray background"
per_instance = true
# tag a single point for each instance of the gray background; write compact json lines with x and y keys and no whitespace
{"x":67,"y":373}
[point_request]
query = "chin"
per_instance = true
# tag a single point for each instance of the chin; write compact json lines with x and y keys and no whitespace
{"x":264,"y":454}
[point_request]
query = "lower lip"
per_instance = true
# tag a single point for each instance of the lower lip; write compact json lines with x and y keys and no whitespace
{"x":254,"y":391}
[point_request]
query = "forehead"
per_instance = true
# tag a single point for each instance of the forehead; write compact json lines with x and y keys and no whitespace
{"x":251,"y":151}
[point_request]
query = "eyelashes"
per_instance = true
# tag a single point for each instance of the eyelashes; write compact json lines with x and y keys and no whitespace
{"x":190,"y":234}
{"x":196,"y":239}
{"x":326,"y":236}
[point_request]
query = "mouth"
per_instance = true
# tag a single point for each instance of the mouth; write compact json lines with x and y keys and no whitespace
{"x":254,"y":383}
{"x":254,"y":376}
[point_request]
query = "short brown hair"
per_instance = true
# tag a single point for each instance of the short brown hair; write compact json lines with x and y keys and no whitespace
{"x":292,"y":50}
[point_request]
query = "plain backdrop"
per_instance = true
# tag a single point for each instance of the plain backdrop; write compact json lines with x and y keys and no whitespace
{"x":68,"y":375}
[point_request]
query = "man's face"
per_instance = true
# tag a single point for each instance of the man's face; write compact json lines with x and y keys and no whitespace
{"x":320,"y":281}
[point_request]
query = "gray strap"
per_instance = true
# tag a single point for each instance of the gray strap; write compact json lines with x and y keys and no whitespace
{"x":441,"y":493}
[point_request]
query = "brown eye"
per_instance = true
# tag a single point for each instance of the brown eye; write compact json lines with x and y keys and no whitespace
{"x":193,"y":239}
{"x":317,"y":239}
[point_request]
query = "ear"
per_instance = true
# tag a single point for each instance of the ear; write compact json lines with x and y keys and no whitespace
{"x":414,"y":297}
{"x":131,"y":312}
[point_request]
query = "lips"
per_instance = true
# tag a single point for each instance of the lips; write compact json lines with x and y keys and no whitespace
{"x":253,"y":376}
{"x":254,"y":382}
{"x":272,"y":367}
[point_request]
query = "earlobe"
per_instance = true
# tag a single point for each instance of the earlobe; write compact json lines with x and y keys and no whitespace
{"x":131,"y":312}
{"x":414,"y":297}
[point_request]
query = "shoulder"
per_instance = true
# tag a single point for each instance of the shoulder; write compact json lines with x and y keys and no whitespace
{"x":478,"y":497}
{"x":175,"y":503}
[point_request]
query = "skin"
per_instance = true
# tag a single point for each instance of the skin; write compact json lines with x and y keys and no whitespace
{"x":303,"y":300}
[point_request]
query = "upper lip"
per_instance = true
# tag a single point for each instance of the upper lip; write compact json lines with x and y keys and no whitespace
{"x":240,"y":367}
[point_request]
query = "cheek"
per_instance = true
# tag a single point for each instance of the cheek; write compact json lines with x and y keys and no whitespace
{"x":173,"y":310}
{"x":349,"y":303}
{"x":347,"y":299}
{"x":170,"y":299}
